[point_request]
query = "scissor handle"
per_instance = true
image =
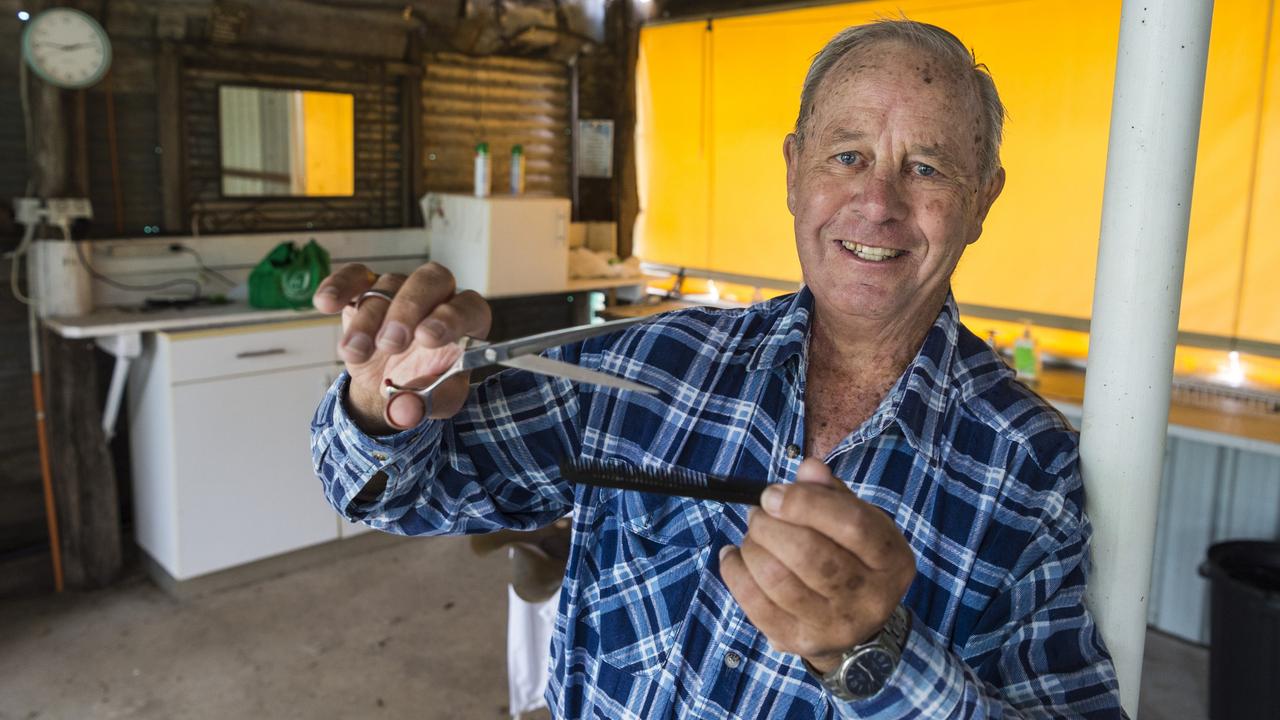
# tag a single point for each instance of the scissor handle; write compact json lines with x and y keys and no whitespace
{"x":391,"y":390}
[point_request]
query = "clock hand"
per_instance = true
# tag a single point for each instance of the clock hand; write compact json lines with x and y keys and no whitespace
{"x":60,"y":46}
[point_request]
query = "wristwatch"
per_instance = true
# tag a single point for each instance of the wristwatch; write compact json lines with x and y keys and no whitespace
{"x":864,"y":669}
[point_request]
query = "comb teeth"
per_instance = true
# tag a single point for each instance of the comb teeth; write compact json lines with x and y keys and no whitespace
{"x":675,"y":481}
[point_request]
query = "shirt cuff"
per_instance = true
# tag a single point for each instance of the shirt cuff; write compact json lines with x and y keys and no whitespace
{"x":928,"y":682}
{"x":367,"y":455}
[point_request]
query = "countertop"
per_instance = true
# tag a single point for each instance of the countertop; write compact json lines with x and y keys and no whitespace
{"x":117,"y":321}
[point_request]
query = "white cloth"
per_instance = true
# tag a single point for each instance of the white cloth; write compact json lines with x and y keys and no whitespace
{"x":529,"y":628}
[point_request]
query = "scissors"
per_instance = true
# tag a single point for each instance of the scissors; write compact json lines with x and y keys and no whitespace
{"x":522,"y":353}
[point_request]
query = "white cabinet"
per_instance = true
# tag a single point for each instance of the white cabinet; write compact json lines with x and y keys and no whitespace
{"x":502,"y":245}
{"x":219,"y":432}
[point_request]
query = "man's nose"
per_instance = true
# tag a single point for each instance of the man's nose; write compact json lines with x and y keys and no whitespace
{"x":880,"y":197}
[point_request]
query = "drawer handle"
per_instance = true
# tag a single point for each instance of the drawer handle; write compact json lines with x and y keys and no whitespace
{"x":260,"y":353}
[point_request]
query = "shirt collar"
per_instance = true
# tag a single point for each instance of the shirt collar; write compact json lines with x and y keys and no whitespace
{"x":917,"y":402}
{"x":786,"y":337}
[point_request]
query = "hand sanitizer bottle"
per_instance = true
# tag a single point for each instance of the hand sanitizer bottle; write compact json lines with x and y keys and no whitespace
{"x":482,"y":170}
{"x":517,"y":170}
{"x":1026,"y":357}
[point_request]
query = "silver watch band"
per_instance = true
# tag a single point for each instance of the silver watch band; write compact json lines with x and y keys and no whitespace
{"x":891,"y":638}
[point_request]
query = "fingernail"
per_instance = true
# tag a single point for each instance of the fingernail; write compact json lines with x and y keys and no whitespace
{"x":433,"y":328}
{"x":394,"y":336}
{"x":725,"y":551}
{"x":359,"y":343}
{"x":771,"y":499}
{"x":328,"y":291}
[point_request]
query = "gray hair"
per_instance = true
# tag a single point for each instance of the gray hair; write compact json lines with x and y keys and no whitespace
{"x":932,"y":39}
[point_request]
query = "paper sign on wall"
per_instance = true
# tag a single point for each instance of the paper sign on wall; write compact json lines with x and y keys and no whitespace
{"x":595,"y":148}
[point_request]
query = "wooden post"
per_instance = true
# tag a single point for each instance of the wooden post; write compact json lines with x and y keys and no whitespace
{"x":84,"y":478}
{"x":627,"y":27}
{"x":169,"y":120}
{"x":85,"y":522}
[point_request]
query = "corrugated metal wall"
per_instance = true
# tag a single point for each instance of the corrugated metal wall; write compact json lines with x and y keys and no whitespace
{"x":503,"y":101}
{"x":1210,"y":493}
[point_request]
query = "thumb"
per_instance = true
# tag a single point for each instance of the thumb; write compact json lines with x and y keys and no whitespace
{"x":813,"y":470}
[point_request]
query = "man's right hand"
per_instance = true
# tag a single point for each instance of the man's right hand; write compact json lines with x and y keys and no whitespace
{"x":407,"y":340}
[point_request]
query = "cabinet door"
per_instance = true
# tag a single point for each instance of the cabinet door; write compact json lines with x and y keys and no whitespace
{"x":245,"y":485}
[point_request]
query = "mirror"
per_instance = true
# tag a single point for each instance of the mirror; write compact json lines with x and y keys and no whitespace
{"x":277,"y":142}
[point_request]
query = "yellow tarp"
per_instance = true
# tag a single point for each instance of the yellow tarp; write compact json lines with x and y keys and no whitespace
{"x":715,"y":105}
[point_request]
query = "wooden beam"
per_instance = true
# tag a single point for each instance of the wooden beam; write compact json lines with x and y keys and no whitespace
{"x":624,"y":127}
{"x":169,"y":120}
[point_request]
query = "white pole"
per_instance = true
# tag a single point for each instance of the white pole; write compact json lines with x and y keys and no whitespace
{"x":1151,"y":159}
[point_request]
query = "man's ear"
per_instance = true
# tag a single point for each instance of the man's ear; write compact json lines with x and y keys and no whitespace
{"x":991,"y":190}
{"x":791,"y":154}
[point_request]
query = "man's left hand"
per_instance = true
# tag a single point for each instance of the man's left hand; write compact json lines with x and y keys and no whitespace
{"x":820,"y":570}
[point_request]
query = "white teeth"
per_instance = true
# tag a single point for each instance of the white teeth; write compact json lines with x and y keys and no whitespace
{"x":866,"y":252}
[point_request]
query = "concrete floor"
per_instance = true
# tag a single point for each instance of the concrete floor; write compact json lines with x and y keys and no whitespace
{"x":410,"y":629}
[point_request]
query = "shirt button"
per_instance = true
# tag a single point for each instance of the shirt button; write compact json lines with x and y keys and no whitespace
{"x":733,"y":659}
{"x":380,"y":457}
{"x":793,"y":451}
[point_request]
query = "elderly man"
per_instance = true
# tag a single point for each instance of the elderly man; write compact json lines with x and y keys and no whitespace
{"x":927,"y":559}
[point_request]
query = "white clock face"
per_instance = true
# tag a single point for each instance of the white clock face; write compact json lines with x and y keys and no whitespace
{"x":67,"y":48}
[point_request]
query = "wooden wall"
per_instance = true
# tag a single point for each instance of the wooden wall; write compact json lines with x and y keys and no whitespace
{"x":142,"y":144}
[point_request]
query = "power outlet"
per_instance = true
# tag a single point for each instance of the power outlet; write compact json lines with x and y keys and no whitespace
{"x":68,"y":210}
{"x":27,"y":210}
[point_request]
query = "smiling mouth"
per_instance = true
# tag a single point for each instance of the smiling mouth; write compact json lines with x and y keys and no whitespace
{"x":869,"y":253}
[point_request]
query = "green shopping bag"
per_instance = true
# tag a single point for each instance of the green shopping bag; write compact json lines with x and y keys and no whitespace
{"x":287,"y":277}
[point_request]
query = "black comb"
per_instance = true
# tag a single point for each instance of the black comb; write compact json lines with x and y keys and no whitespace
{"x":670,"y":481}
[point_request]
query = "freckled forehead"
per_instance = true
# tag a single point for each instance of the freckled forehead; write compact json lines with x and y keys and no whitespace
{"x":891,"y":80}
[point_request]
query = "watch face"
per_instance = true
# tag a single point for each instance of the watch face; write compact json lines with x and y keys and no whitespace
{"x":868,"y":672}
{"x":67,"y":48}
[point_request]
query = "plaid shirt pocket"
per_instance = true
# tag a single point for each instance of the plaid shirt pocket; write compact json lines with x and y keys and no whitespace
{"x":650,"y":567}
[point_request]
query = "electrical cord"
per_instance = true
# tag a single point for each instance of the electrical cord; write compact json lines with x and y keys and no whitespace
{"x":93,"y":272}
{"x":179,"y":247}
{"x":15,"y":259}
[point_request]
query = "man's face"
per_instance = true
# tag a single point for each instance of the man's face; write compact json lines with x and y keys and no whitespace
{"x":886,"y":188}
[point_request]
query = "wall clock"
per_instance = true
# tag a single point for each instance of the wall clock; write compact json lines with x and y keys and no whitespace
{"x":66,"y":48}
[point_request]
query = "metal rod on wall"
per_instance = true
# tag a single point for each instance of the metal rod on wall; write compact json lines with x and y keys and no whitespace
{"x":1146,"y":209}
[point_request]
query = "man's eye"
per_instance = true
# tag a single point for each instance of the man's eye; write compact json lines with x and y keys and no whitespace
{"x":925,"y":170}
{"x":848,"y":158}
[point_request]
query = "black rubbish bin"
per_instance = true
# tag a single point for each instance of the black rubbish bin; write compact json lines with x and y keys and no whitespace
{"x":1244,"y":654}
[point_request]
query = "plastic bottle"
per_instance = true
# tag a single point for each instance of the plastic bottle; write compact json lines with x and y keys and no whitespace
{"x":517,"y":170}
{"x":1026,"y":356}
{"x":482,"y":172}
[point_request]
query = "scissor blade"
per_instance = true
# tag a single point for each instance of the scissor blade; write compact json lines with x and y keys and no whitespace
{"x":555,"y":368}
{"x":534,"y":344}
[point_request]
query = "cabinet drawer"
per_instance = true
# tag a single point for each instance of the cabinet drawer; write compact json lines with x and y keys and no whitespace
{"x":202,"y":355}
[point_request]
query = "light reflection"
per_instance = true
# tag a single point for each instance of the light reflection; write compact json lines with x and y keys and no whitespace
{"x":1233,"y":372}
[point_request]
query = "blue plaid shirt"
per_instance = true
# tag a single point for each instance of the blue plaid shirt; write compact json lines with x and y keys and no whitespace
{"x":980,"y":474}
